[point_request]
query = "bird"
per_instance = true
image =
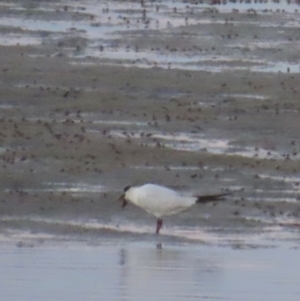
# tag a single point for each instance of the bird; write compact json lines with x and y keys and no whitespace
{"x":162,"y":201}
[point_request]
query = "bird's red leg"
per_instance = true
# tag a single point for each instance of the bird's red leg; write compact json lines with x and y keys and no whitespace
{"x":159,"y":224}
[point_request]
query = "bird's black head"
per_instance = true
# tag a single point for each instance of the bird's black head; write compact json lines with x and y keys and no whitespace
{"x":126,"y":188}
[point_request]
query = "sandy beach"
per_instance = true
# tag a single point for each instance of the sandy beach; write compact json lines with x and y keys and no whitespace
{"x":199,"y":96}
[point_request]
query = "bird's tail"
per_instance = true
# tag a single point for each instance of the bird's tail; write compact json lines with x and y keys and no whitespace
{"x":211,"y":197}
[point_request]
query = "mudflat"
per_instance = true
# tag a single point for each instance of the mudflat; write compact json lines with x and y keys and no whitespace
{"x":201,"y":97}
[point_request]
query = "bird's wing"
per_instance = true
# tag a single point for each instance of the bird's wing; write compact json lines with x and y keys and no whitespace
{"x":161,"y":201}
{"x":211,"y":197}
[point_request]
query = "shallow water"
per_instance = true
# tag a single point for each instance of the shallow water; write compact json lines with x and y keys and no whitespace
{"x":140,"y":271}
{"x":200,"y":143}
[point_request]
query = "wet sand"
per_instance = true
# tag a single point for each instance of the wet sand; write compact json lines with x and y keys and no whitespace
{"x":199,"y":97}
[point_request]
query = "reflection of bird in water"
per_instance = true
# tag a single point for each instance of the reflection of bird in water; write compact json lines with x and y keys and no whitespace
{"x":162,"y":201}
{"x":122,"y":261}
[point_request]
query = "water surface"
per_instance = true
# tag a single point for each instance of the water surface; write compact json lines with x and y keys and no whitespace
{"x":139,"y":271}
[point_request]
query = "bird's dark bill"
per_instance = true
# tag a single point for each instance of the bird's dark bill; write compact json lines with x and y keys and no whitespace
{"x":122,"y":199}
{"x":124,"y":203}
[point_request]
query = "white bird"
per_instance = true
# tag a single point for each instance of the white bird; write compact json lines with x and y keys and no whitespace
{"x":162,"y":201}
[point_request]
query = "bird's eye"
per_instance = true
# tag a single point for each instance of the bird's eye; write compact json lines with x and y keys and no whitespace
{"x":126,"y":188}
